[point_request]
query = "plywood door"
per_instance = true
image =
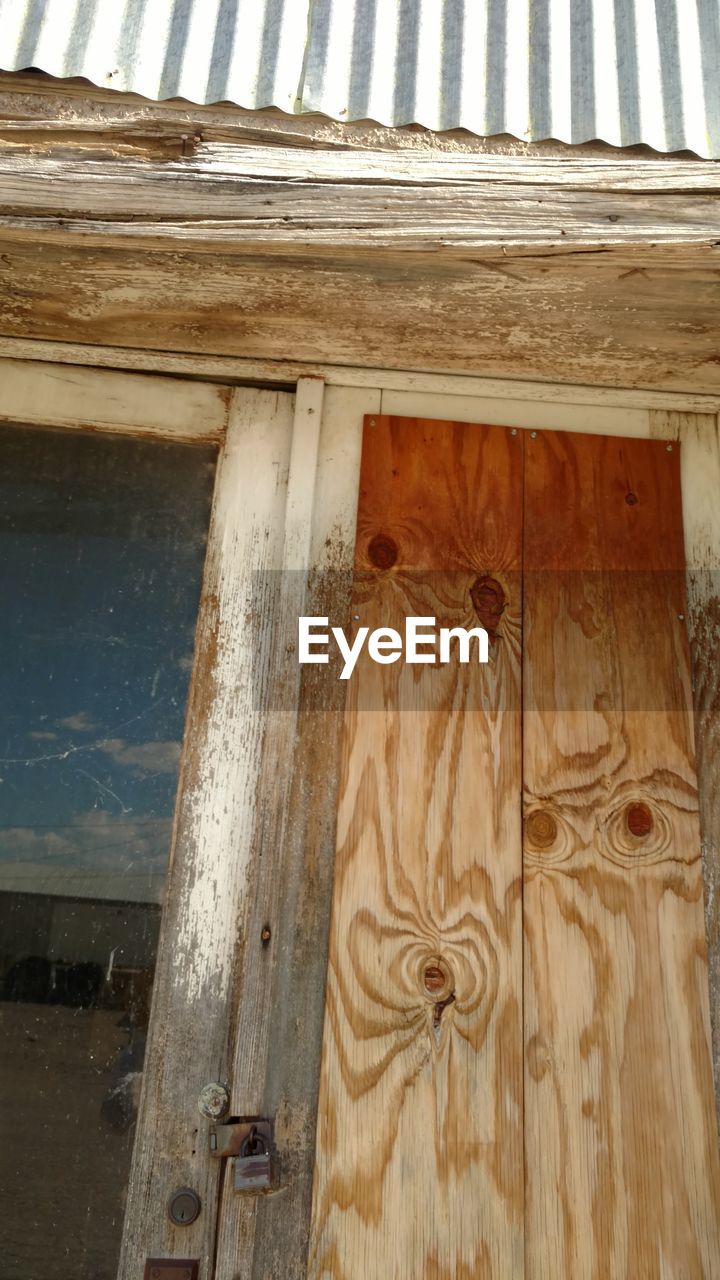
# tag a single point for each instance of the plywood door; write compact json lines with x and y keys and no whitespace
{"x":419,"y":1164}
{"x":621,"y":1152}
{"x":419,"y":1167}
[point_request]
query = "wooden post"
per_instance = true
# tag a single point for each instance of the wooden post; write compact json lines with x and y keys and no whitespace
{"x":700,"y":471}
{"x":280,"y":980}
{"x":210,"y":874}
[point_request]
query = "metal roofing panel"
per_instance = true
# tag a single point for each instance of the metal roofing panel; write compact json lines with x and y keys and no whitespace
{"x":626,"y":71}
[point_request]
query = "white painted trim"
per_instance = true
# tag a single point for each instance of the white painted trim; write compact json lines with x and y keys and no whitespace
{"x":285,"y":373}
{"x":338,"y":475}
{"x":209,"y":883}
{"x":591,"y":419}
{"x":61,"y":395}
{"x":307,"y":424}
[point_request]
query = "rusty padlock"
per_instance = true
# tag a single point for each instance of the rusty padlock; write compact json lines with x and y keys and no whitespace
{"x":253,"y":1167}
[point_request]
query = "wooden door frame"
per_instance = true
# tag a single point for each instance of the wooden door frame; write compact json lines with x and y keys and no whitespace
{"x":304,"y":444}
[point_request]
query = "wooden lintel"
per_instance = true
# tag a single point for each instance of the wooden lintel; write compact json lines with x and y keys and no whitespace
{"x":281,"y":200}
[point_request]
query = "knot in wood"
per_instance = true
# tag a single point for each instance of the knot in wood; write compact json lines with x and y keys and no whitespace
{"x":631,"y":499}
{"x":639,"y":820}
{"x":541,"y":829}
{"x":434,"y":979}
{"x":382,"y":551}
{"x":437,"y":980}
{"x":489,"y":602}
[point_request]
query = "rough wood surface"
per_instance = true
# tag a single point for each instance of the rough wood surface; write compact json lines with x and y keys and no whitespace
{"x":700,"y":472}
{"x":419,"y":1146}
{"x":277,"y":1024}
{"x":286,"y":200}
{"x":622,"y":1167}
{"x":204,"y":918}
{"x":126,"y":224}
{"x":448,"y":387}
{"x":37,"y":107}
{"x":574,"y":317}
{"x":104,"y":400}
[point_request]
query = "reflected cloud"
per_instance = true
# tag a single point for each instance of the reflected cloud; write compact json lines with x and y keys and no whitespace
{"x":81,"y":722}
{"x":150,"y":757}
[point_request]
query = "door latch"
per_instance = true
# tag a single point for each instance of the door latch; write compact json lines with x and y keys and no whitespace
{"x":248,"y":1143}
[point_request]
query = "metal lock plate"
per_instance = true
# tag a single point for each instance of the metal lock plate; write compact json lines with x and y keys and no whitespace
{"x":171,"y":1269}
{"x":229,"y":1139}
{"x":249,"y":1142}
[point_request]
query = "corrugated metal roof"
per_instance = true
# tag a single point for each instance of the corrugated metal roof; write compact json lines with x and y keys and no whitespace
{"x":625,"y":71}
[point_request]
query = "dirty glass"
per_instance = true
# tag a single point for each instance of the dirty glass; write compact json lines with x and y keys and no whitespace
{"x":101,"y":550}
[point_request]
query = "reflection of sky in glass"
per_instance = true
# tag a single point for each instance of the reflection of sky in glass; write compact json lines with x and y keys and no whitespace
{"x":101,"y":549}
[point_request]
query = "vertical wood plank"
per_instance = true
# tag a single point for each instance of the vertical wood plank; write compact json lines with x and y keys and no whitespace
{"x":419,"y":1145}
{"x":700,"y":473}
{"x":208,"y":881}
{"x":621,"y":1155}
{"x":280,"y":983}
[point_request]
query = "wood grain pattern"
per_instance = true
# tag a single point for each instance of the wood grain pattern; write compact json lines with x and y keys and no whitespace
{"x":234,"y":195}
{"x":446,"y":389}
{"x":155,"y":227}
{"x":700,"y":471}
{"x":617,"y":319}
{"x":622,"y":1168}
{"x":280,"y":983}
{"x":419,"y":1143}
{"x":211,"y":876}
{"x":107,"y":400}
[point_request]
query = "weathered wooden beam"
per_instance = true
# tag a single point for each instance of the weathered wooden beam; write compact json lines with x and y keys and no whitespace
{"x":575,"y":317}
{"x":38,"y":105}
{"x":225,"y":198}
{"x":423,"y":389}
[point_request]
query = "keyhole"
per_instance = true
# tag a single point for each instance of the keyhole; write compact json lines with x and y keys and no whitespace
{"x":184,"y":1207}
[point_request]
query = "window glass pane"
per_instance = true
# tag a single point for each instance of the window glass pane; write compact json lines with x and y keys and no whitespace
{"x":102,"y":543}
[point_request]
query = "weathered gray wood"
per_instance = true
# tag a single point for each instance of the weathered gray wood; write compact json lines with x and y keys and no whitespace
{"x":700,"y":469}
{"x":106,"y":400}
{"x":162,"y":226}
{"x":223,"y":197}
{"x":38,"y":105}
{"x":462,"y":387}
{"x":210,"y":875}
{"x":281,"y":984}
{"x":577,"y":317}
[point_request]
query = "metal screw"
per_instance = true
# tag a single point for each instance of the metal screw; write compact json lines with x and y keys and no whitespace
{"x":373,"y":423}
{"x":533,"y":435}
{"x":669,"y":448}
{"x":681,"y":617}
{"x":514,"y":431}
{"x":356,"y":617}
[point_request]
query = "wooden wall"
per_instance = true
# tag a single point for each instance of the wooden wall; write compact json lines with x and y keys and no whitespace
{"x":165,"y":227}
